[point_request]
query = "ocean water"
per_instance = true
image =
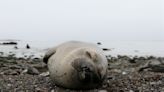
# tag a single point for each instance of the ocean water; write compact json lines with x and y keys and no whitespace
{"x":130,"y":48}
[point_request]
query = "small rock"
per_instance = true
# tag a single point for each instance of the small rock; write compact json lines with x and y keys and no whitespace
{"x":10,"y":72}
{"x":38,"y":90}
{"x":24,"y":71}
{"x":31,"y":70}
{"x":123,"y":73}
{"x":45,"y":74}
{"x":9,"y":85}
{"x":15,"y":67}
{"x":1,"y":73}
{"x":116,"y":70}
{"x":154,"y":62}
{"x":53,"y":90}
{"x":131,"y":91}
{"x":102,"y":91}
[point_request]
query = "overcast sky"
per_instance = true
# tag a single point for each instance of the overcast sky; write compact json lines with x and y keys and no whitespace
{"x":82,"y":20}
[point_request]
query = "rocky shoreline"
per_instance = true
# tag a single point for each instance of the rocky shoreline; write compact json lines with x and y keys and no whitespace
{"x":125,"y":74}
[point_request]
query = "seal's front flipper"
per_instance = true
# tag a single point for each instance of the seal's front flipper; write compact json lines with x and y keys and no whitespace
{"x":49,"y":54}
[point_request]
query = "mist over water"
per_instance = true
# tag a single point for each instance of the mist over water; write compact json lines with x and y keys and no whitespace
{"x":85,"y":20}
{"x":125,"y":25}
{"x":130,"y":48}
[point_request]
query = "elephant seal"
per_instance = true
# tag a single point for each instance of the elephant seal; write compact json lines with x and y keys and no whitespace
{"x":76,"y":65}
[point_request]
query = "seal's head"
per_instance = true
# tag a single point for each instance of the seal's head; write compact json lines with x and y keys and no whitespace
{"x":89,"y":70}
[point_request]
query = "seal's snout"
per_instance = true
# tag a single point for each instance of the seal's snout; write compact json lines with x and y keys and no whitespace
{"x":87,"y":73}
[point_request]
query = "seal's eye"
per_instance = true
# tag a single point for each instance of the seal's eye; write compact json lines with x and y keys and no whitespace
{"x":92,"y":55}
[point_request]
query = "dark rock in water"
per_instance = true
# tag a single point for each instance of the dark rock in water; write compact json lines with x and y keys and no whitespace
{"x":1,"y":53}
{"x":99,"y":43}
{"x":27,"y":46}
{"x":11,"y":55}
{"x":15,"y":47}
{"x":25,"y":56}
{"x":9,"y":43}
{"x":106,"y":49}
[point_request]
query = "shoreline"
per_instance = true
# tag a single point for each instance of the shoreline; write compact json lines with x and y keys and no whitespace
{"x":130,"y":48}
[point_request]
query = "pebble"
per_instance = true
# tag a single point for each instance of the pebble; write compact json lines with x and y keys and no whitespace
{"x":131,"y":91}
{"x":9,"y":85}
{"x":102,"y":91}
{"x":123,"y":73}
{"x":45,"y":74}
{"x":31,"y":70}
{"x":10,"y":72}
{"x":53,"y":90}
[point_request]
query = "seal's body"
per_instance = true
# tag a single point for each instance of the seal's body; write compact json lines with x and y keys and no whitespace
{"x":76,"y":65}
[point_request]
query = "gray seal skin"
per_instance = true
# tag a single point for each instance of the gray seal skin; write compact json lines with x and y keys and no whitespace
{"x":76,"y":65}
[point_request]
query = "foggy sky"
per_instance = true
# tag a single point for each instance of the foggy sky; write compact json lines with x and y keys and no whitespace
{"x":82,"y":20}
